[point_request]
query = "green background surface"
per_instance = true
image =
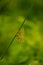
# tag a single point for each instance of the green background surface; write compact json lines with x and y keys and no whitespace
{"x":27,"y":47}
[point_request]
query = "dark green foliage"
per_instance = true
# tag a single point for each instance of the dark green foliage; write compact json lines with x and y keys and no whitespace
{"x":12,"y":15}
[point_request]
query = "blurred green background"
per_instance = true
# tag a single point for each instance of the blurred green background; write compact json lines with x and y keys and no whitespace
{"x":27,"y":47}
